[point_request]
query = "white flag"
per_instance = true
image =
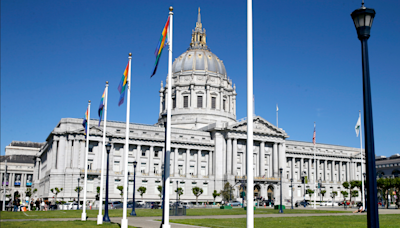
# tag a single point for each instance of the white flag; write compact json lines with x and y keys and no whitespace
{"x":277,"y":109}
{"x":358,"y":126}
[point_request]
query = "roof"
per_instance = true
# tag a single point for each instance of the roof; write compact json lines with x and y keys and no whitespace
{"x":30,"y":159}
{"x":26,"y":144}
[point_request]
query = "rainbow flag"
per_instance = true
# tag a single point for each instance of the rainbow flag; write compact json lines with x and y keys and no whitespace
{"x":101,"y":107}
{"x":85,"y":121}
{"x":122,"y":86}
{"x":160,"y":46}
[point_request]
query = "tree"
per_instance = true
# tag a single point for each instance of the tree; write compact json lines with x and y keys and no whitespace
{"x":159,"y":188}
{"x":215,"y":194}
{"x":396,"y":186}
{"x":29,"y":192}
{"x":121,"y":189}
{"x":309,"y":192}
{"x":56,"y":191}
{"x":349,"y":186}
{"x":345,"y":194}
{"x":78,"y":189}
{"x":227,"y":191}
{"x":180,"y":192}
{"x":334,"y":194}
{"x":385,"y":184}
{"x":98,"y":193}
{"x":142,"y":190}
{"x":197,"y":192}
{"x":354,"y":193}
{"x":323,"y":194}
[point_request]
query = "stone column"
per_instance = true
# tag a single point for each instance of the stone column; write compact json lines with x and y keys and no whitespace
{"x":234,"y":157}
{"x":301,"y":166}
{"x":332,"y":170}
{"x":340,"y":171}
{"x":275,"y":159}
{"x":261,"y":159}
{"x":176,"y":167}
{"x":347,"y":171}
{"x":292,"y":168}
{"x":151,"y":165}
{"x":54,"y":155}
{"x":208,"y":98}
{"x":187,"y":162}
{"x":210,"y":163}
{"x":309,"y":170}
{"x":138,"y":153}
{"x":271,"y":165}
{"x":192,"y":97}
{"x":221,"y":99}
{"x":178,"y":98}
{"x":316,"y":164}
{"x":198,"y":163}
{"x":82,"y":153}
{"x":325,"y":170}
{"x":229,"y":156}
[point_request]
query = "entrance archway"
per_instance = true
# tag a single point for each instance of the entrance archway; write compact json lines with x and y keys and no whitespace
{"x":270,"y":192}
{"x":257,"y":190}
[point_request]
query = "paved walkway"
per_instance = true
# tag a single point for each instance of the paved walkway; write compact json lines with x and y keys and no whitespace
{"x":151,"y":222}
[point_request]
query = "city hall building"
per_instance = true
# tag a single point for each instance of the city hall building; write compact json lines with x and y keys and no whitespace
{"x":208,"y":145}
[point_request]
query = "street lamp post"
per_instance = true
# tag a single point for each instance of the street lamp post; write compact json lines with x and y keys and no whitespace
{"x":133,"y":212}
{"x":362,"y":19}
{"x":177,"y":195}
{"x":105,"y":217}
{"x":78,"y":190}
{"x":291,"y":188}
{"x":280,"y":203}
{"x":364,"y":193}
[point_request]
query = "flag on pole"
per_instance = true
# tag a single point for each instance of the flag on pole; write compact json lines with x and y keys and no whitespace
{"x":122,"y":86}
{"x":84,"y":124}
{"x":160,"y":46}
{"x":313,"y":139}
{"x":101,"y":107}
{"x":358,"y":125}
{"x":277,"y":109}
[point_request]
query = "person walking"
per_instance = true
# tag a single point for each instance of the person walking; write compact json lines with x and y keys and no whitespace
{"x":41,"y":205}
{"x":31,"y":205}
{"x":37,"y":204}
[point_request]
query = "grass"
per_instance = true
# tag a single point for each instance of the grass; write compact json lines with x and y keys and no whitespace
{"x":52,"y":224}
{"x":149,"y":213}
{"x":311,"y":221}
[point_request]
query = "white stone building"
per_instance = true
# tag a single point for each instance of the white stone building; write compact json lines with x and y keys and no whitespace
{"x":208,"y":144}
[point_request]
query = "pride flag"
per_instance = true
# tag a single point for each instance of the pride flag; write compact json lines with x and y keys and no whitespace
{"x":122,"y":86}
{"x":85,"y":121}
{"x":101,"y":107}
{"x":160,"y":46}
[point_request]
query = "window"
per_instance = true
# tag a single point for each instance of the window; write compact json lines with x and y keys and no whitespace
{"x":173,"y":102}
{"x":143,"y":167}
{"x":90,"y":164}
{"x":180,"y":168}
{"x":143,"y":153}
{"x":180,"y":155}
{"x":157,"y":183}
{"x":239,"y":172}
{"x":200,"y":101}
{"x":191,"y":170}
{"x":91,"y":147}
{"x":186,"y":101}
{"x":191,"y":156}
{"x":116,"y":166}
{"x":213,"y":102}
{"x":156,"y":154}
{"x":203,"y":156}
{"x":224,"y":104}
{"x":203,"y":170}
{"x":155,"y":167}
{"x":205,"y":188}
{"x":182,"y":185}
{"x":117,"y":183}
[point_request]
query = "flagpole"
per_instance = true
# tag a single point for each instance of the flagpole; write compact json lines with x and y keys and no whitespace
{"x":124,"y":221}
{"x":100,"y":215}
{"x":277,"y":109}
{"x":169,"y":107}
{"x":315,"y":170}
{"x":83,"y":217}
{"x":362,"y":174}
{"x":250,"y":182}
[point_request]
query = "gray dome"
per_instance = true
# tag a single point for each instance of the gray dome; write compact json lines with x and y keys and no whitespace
{"x":199,"y":60}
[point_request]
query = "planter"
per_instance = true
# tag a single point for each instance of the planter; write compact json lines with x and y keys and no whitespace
{"x":276,"y":207}
{"x":245,"y":208}
{"x":225,"y":207}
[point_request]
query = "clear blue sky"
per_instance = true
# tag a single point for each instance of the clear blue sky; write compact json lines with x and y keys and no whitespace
{"x":57,"y":55}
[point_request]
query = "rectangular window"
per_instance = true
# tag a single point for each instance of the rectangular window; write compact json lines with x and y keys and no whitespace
{"x":180,"y":155}
{"x":191,"y":170}
{"x":143,"y":153}
{"x":213,"y":102}
{"x":173,"y":102}
{"x":116,"y":184}
{"x":90,"y":164}
{"x":224,"y":104}
{"x":156,"y":154}
{"x":116,"y":166}
{"x":200,"y":101}
{"x":205,"y":188}
{"x":143,"y":167}
{"x":203,"y":170}
{"x":186,"y":101}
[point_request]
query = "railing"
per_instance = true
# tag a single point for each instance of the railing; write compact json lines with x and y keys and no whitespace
{"x":258,"y":178}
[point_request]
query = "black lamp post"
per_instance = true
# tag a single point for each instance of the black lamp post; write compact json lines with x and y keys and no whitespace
{"x":291,"y":189}
{"x":105,"y":217}
{"x":364,"y":193}
{"x":78,"y":190}
{"x":280,"y":203}
{"x":133,"y":212}
{"x":362,"y":19}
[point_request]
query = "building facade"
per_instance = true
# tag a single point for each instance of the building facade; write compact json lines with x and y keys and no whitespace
{"x":208,"y":144}
{"x":20,"y":157}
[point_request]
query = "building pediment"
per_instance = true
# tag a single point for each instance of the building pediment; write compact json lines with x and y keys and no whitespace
{"x":260,"y":125}
{"x":94,"y":130}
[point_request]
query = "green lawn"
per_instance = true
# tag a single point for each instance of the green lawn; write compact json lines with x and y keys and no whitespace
{"x":311,"y":221}
{"x":52,"y":224}
{"x":149,"y":212}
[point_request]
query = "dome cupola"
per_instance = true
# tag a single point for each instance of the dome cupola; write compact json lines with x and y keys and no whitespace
{"x":202,"y":93}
